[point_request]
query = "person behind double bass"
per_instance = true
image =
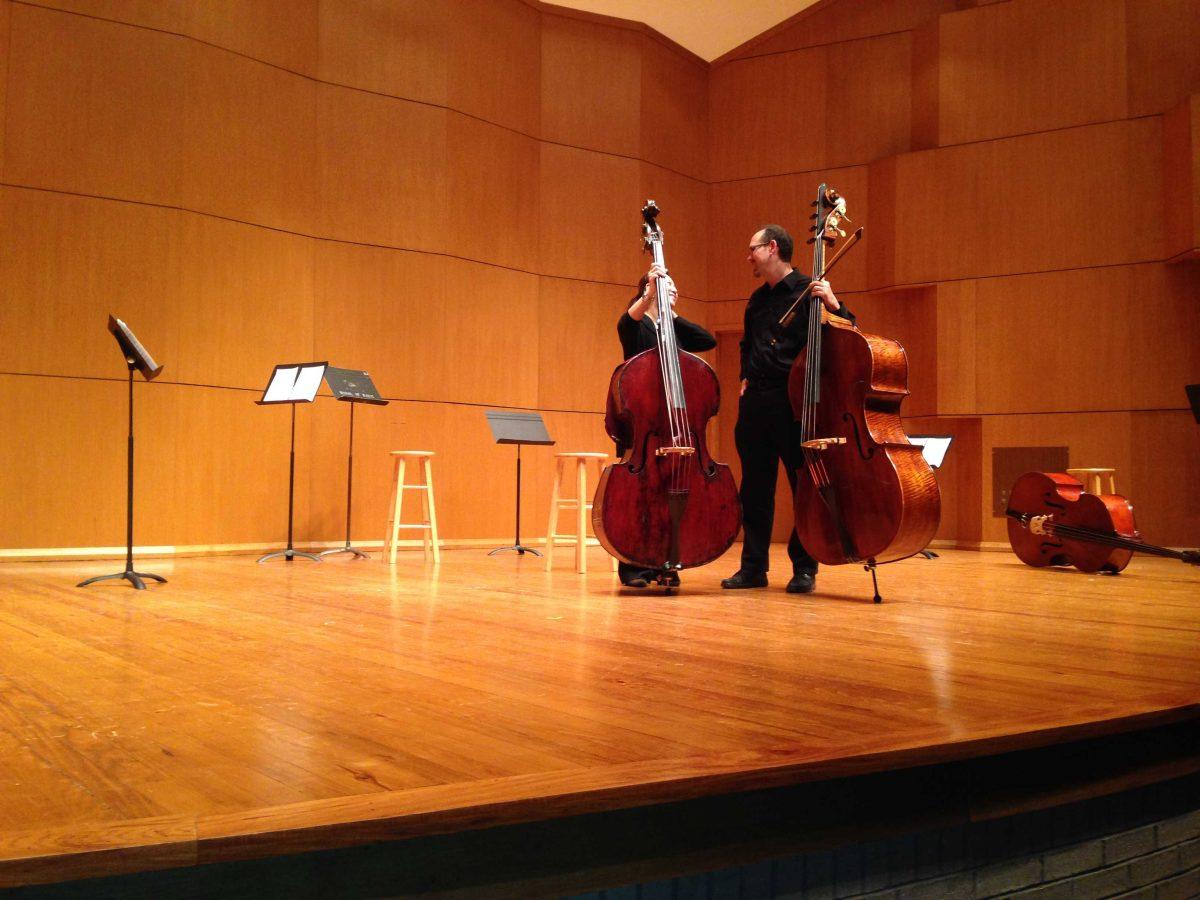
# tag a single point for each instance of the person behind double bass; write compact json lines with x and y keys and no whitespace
{"x":638,"y":331}
{"x":765,"y":432}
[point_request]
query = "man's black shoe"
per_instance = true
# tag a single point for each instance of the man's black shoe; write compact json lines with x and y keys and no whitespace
{"x":740,"y":579}
{"x":802,"y":583}
{"x":638,"y":579}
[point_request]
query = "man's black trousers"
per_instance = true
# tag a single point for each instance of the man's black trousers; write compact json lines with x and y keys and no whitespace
{"x":765,"y":435}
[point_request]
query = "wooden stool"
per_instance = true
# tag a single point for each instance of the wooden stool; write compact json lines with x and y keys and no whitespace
{"x":1093,"y":479}
{"x":581,"y":504}
{"x":428,"y":526}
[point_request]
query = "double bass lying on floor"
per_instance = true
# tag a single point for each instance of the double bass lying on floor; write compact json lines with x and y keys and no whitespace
{"x":1053,"y":521}
{"x":667,"y":505}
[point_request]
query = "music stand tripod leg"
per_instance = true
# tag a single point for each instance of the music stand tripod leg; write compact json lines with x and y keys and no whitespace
{"x":359,"y":554}
{"x":517,"y":545}
{"x":134,"y":578}
{"x":289,"y":553}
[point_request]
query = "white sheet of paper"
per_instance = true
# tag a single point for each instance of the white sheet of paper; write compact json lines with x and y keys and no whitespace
{"x":308,"y":382}
{"x":933,"y":449}
{"x":281,"y":385}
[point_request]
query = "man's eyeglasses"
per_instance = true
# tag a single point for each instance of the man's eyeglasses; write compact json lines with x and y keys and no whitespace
{"x":754,"y":247}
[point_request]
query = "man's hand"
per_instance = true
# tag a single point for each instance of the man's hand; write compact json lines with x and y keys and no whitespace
{"x":745,"y":384}
{"x":822,"y":290}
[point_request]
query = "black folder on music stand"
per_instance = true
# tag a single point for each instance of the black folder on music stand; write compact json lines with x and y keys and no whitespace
{"x":136,"y":357}
{"x":353,"y":386}
{"x":292,"y":383}
{"x":517,"y":428}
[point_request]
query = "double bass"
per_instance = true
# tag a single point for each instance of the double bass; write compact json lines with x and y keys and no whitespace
{"x":864,"y":493}
{"x":1053,"y":521}
{"x":667,"y":504}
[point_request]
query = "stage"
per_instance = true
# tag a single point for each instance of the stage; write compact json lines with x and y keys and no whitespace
{"x":244,"y":711}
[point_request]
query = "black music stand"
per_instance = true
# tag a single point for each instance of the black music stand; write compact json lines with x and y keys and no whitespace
{"x":352,"y":386}
{"x":136,"y":357}
{"x":292,"y":383}
{"x":934,"y":448}
{"x":517,"y":428}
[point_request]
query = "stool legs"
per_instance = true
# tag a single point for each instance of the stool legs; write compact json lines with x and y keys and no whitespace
{"x":581,"y":507}
{"x":430,"y":543}
{"x":581,"y":503}
{"x":552,"y":530}
{"x":431,"y":512}
{"x":397,"y":504}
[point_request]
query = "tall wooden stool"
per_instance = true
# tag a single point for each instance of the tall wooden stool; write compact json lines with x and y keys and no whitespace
{"x":1093,"y":479}
{"x":428,"y":525}
{"x":581,"y":503}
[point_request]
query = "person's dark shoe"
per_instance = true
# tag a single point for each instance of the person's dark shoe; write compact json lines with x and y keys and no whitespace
{"x":740,"y":579}
{"x":802,"y":583}
{"x":637,"y":579}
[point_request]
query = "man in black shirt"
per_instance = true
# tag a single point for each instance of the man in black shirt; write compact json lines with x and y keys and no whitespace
{"x":765,"y":432}
{"x":638,"y":331}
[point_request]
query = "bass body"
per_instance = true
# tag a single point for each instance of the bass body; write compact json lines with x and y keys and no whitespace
{"x":632,"y":515}
{"x":1053,"y":521}
{"x":866,"y":494}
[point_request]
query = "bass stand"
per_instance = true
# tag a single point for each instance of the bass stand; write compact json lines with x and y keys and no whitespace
{"x":289,"y":553}
{"x":358,"y":554}
{"x":518,"y":428}
{"x":517,"y":545}
{"x":134,"y":578}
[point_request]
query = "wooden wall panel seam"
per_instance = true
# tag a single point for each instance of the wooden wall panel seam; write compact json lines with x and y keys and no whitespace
{"x":853,"y":40}
{"x":329,"y":83}
{"x":330,"y":240}
{"x":990,"y":140}
{"x":254,"y":391}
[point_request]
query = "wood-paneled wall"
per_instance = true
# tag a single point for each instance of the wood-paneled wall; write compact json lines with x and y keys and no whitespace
{"x":446,"y":195}
{"x":1025,"y":171}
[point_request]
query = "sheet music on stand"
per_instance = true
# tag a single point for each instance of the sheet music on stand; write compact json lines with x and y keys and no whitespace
{"x":933,"y":447}
{"x":294,"y":383}
{"x":353,"y":386}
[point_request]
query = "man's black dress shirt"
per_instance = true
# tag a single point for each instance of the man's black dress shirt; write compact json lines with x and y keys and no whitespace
{"x":765,"y":364}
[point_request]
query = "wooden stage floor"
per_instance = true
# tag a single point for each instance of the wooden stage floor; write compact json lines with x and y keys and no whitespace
{"x":247,"y":710}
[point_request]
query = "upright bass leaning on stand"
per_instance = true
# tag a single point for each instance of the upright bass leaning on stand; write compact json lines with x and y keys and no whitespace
{"x":667,"y":505}
{"x":864,"y":493}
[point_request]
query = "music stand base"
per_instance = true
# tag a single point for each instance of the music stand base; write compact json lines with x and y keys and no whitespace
{"x":519,"y":548}
{"x":289,"y":554}
{"x":134,"y":578}
{"x":346,"y":549}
